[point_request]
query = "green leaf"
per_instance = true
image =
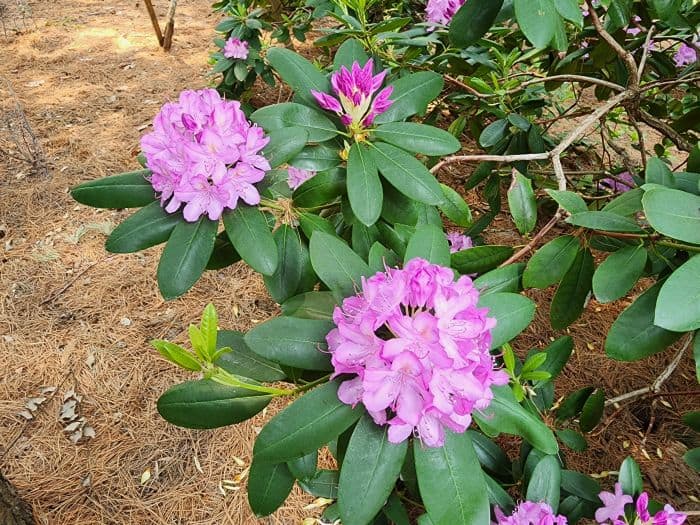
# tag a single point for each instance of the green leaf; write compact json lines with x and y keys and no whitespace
{"x":628,"y":203}
{"x":407,"y":174}
{"x":418,"y":138}
{"x":692,"y":419}
{"x":305,"y":466}
{"x":269,"y":484}
{"x":336,"y":264}
{"x":381,"y":257}
{"x":455,"y":207}
{"x":369,"y":472}
{"x":411,"y":95}
{"x":544,"y":482}
{"x":570,"y":201}
{"x":310,"y":305}
{"x":472,"y":21}
{"x":513,"y":313}
{"x":493,"y":133}
{"x":605,"y":221}
{"x":310,"y":223}
{"x":580,"y":485}
{"x":285,"y":144}
{"x":558,"y":353}
{"x":250,"y":234}
{"x":364,"y":186}
{"x":572,"y":439}
{"x":633,"y":335}
{"x":300,"y":74}
{"x":291,"y":341}
{"x":126,"y":190}
{"x":523,"y":207}
{"x":619,"y":273}
{"x":570,"y":297}
{"x":678,"y":305}
{"x":147,"y":227}
{"x":550,"y":263}
{"x":396,"y":511}
{"x":429,"y":243}
{"x":242,"y":361}
{"x":209,"y":326}
{"x":674,"y":213}
{"x":692,"y":458}
{"x":451,"y":483}
{"x":295,"y":116}
{"x":323,"y":485}
{"x":573,"y":403}
{"x":223,"y":254}
{"x":176,"y":354}
{"x":592,"y":411}
{"x":490,"y":455}
{"x":284,"y":283}
{"x":320,"y":157}
{"x":657,"y":172}
{"x":630,"y":477}
{"x":185,"y":256}
{"x":350,"y":51}
{"x":537,"y":19}
{"x":570,"y":10}
{"x":696,"y":356}
{"x":207,"y":404}
{"x":320,"y":190}
{"x":504,"y":279}
{"x":311,"y":421}
{"x":498,"y":496}
{"x":480,"y":259}
{"x":505,"y":414}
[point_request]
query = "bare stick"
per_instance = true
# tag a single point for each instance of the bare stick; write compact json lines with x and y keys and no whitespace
{"x":655,"y":387}
{"x":169,"y":26}
{"x":534,"y":241}
{"x":154,"y":21}
{"x":570,"y":78}
{"x":466,"y":87}
{"x":645,"y":53}
{"x":665,"y":129}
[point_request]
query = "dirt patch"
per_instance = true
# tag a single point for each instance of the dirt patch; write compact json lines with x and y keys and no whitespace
{"x":90,"y":77}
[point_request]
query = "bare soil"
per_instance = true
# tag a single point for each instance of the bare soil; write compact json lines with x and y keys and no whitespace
{"x":90,"y":77}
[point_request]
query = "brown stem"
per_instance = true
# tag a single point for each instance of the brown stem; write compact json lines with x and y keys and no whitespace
{"x":666,"y":130}
{"x":534,"y":241}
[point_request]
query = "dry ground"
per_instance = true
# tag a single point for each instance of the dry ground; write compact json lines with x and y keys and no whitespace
{"x":90,"y":77}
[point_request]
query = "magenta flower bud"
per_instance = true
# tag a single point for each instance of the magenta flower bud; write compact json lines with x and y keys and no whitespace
{"x":204,"y":153}
{"x":529,"y":513}
{"x":418,"y":348}
{"x":235,"y":48}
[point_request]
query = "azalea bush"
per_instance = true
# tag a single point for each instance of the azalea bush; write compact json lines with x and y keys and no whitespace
{"x":396,"y":347}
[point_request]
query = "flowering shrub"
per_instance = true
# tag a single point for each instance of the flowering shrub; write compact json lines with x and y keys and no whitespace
{"x":530,"y":513}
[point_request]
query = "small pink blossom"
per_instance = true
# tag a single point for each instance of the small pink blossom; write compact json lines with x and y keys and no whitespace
{"x":204,"y":153}
{"x":613,"y":505}
{"x":356,"y":103}
{"x":459,"y":242}
{"x":634,"y":30}
{"x":614,"y":509}
{"x":297,"y":177}
{"x":529,"y":513}
{"x":235,"y":48}
{"x":685,"y":55}
{"x":440,"y":12}
{"x":417,"y":347}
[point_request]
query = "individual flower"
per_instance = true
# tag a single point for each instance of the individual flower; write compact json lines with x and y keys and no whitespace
{"x":440,"y":12}
{"x":529,"y":513}
{"x":297,"y":177}
{"x":615,"y":508}
{"x":413,"y":348}
{"x":459,"y":242}
{"x":634,"y":30}
{"x":356,"y":103}
{"x":620,"y":183}
{"x":204,"y":153}
{"x":235,"y":48}
{"x":685,"y":55}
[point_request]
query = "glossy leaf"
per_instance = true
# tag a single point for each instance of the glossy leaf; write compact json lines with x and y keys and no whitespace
{"x":369,"y":472}
{"x":250,"y":234}
{"x":310,"y":422}
{"x":537,"y":19}
{"x":580,"y":485}
{"x":570,"y":10}
{"x":480,"y":259}
{"x":319,"y":157}
{"x":305,"y":466}
{"x":558,"y":353}
{"x":604,"y":221}
{"x":207,"y":404}
{"x":472,"y":21}
{"x":504,"y":279}
{"x":674,"y":213}
{"x":455,"y":207}
{"x":619,"y":273}
{"x":522,"y":204}
{"x":285,"y":144}
{"x":544,"y":482}
{"x":678,"y":305}
{"x":296,"y":116}
{"x":451,"y":483}
{"x":411,"y":95}
{"x":572,"y":439}
{"x":568,"y":200}
{"x":242,"y":361}
{"x":630,"y":477}
{"x":592,"y":411}
{"x":418,"y":138}
{"x":323,"y":485}
{"x":550,"y":263}
{"x":570,"y":297}
{"x":147,"y":227}
{"x":493,"y":133}
{"x":429,"y":243}
{"x":336,"y":264}
{"x":298,"y":73}
{"x":348,"y":52}
{"x":364,"y":186}
{"x":269,"y":484}
{"x":310,"y":305}
{"x":185,"y":256}
{"x":284,"y":283}
{"x":291,"y":341}
{"x":513,"y":313}
{"x":126,"y":190}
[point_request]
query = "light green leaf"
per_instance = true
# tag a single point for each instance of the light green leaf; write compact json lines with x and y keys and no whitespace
{"x":523,"y":207}
{"x":678,"y":306}
{"x":674,"y":213}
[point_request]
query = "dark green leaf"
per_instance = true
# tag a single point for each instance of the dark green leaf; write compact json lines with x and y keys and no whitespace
{"x":310,"y":305}
{"x":291,"y":341}
{"x":320,"y":190}
{"x":300,"y":74}
{"x":498,"y":496}
{"x":513,"y":313}
{"x":323,"y":485}
{"x":285,"y":143}
{"x":570,"y":297}
{"x":396,"y":511}
{"x":472,"y":21}
{"x":250,"y":234}
{"x":628,"y":203}
{"x":207,"y":404}
{"x":550,"y":263}
{"x":570,"y":10}
{"x":223,"y":254}
{"x":304,"y":467}
{"x":429,"y":243}
{"x":364,"y":187}
{"x":580,"y":485}
{"x":630,"y":477}
{"x":568,"y":200}
{"x":380,"y":257}
{"x":185,"y":256}
{"x":490,"y":455}
{"x":317,"y":158}
{"x":674,"y":213}
{"x":369,"y":472}
{"x":418,"y":138}
{"x":522,"y":204}
{"x":493,"y":133}
{"x":692,"y":458}
{"x":350,"y":51}
{"x":242,"y":361}
{"x":284,"y":283}
{"x":573,"y":403}
{"x":269,"y":484}
{"x":619,"y":273}
{"x":504,"y":279}
{"x":310,"y":223}
{"x":451,"y":483}
{"x":592,"y":411}
{"x":455,"y":207}
{"x":310,"y":422}
{"x":411,"y":95}
{"x":336,"y":264}
{"x":147,"y":227}
{"x":558,"y":353}
{"x":544,"y":482}
{"x":295,"y":116}
{"x":605,"y":221}
{"x":126,"y":190}
{"x":678,"y":305}
{"x":480,"y":259}
{"x":572,"y":439}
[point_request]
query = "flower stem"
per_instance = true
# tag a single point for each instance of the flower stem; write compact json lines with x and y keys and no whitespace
{"x":309,"y":386}
{"x":225,"y":378}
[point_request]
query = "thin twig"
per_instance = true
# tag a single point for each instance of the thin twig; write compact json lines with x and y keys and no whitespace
{"x":570,"y":78}
{"x":655,"y":387}
{"x":645,"y":53}
{"x":70,"y":283}
{"x":534,"y":241}
{"x":665,"y":129}
{"x":466,"y":87}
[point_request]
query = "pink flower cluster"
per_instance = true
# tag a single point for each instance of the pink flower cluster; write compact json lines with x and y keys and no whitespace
{"x":685,"y":55}
{"x":297,"y":176}
{"x":355,"y":88}
{"x":204,"y":153}
{"x":613,"y":510}
{"x":418,"y":347}
{"x":440,"y":12}
{"x":459,"y":242}
{"x":236,"y":48}
{"x":530,"y":513}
